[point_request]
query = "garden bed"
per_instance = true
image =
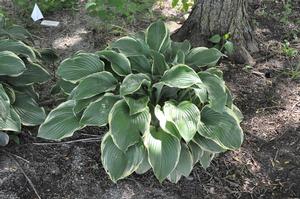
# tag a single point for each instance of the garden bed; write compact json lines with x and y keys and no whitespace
{"x":267,"y":165}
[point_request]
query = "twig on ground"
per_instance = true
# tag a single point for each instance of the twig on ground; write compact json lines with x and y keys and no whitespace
{"x":97,"y":139}
{"x":294,"y":106}
{"x":258,"y":73}
{"x":19,"y":157}
{"x":25,"y":175}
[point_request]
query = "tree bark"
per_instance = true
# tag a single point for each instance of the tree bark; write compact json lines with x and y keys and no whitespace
{"x":210,"y":17}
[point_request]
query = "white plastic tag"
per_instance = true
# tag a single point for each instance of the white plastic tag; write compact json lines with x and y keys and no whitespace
{"x":50,"y":23}
{"x":36,"y":13}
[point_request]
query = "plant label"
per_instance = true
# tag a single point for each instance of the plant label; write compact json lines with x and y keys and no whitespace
{"x":36,"y":13}
{"x":50,"y":23}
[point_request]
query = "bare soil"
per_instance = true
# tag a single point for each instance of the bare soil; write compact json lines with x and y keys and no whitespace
{"x":266,"y":166}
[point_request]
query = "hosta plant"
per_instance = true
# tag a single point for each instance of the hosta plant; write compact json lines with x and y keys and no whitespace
{"x":166,"y":105}
{"x":19,"y":69}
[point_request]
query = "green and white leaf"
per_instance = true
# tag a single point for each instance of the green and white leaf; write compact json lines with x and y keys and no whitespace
{"x":18,"y":48}
{"x":180,"y":76}
{"x":216,"y":89}
{"x":117,"y":163}
{"x":28,"y":109}
{"x":10,"y":93}
{"x":11,"y":64}
{"x":34,"y":73}
{"x":145,"y":165}
{"x":221,"y":128}
{"x":80,"y":66}
{"x":196,"y":151}
{"x":126,"y":130}
{"x":184,"y":46}
{"x":137,"y":105}
{"x":119,"y":62}
{"x":83,"y":103}
{"x":215,"y":71}
{"x":140,"y":64}
{"x":158,"y":37}
{"x":96,"y":114}
{"x":206,"y":159}
{"x":163,"y":152}
{"x":229,"y":101}
{"x":12,"y":122}
{"x":159,"y":65}
{"x":66,"y":86}
{"x":60,"y":123}
{"x":167,"y":125}
{"x":4,"y":103}
{"x":186,"y":117}
{"x":229,"y":47}
{"x":133,"y":82}
{"x":184,"y":166}
{"x":200,"y":91}
{"x":208,"y":144}
{"x":94,"y":84}
{"x":215,"y":39}
{"x":201,"y":56}
{"x":179,"y":58}
{"x":18,"y":32}
{"x":128,"y":46}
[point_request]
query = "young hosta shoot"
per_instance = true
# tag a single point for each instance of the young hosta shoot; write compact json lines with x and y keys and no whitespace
{"x":19,"y":69}
{"x":166,"y":105}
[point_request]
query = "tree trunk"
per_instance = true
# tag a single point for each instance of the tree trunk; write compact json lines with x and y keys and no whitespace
{"x":210,"y":17}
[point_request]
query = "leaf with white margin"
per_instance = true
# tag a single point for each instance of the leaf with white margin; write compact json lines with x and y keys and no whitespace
{"x":28,"y":109}
{"x":12,"y":122}
{"x":126,"y":129}
{"x":206,"y":159}
{"x":60,"y":123}
{"x":196,"y":151}
{"x":17,"y":47}
{"x":202,"y":56}
{"x":119,"y":164}
{"x":79,"y":66}
{"x":34,"y":73}
{"x":4,"y":103}
{"x":133,"y":82}
{"x":222,"y":128}
{"x":137,"y":105}
{"x":94,"y":84}
{"x":167,"y":126}
{"x":145,"y":165}
{"x":184,"y":166}
{"x":159,"y":65}
{"x":158,"y":37}
{"x":11,"y":64}
{"x":208,"y":144}
{"x":128,"y":46}
{"x":216,"y":88}
{"x":119,"y":62}
{"x":96,"y":114}
{"x":186,"y":117}
{"x":163,"y":152}
{"x":180,"y":76}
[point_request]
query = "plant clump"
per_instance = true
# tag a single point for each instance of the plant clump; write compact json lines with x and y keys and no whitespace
{"x":20,"y":69}
{"x":165,"y":104}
